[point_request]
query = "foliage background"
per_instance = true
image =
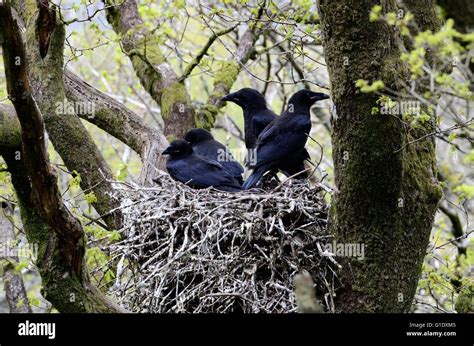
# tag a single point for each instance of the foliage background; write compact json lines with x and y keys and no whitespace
{"x":94,"y":53}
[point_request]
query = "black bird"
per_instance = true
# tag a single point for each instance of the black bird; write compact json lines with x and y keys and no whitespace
{"x":294,"y":165}
{"x":256,"y":113}
{"x":284,"y":136}
{"x":256,"y":117}
{"x":200,"y":172}
{"x":204,"y":144}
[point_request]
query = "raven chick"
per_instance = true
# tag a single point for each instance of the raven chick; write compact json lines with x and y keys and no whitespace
{"x":284,"y":136}
{"x":200,"y":172}
{"x":256,"y":113}
{"x":204,"y":144}
{"x":257,"y":116}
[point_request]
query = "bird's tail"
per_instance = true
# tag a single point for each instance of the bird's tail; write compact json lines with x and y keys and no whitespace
{"x":254,"y":177}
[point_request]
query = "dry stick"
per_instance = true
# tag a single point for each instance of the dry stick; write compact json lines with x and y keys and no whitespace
{"x":464,"y":236}
{"x":222,"y":271}
{"x":291,"y":177}
{"x":454,"y":127}
{"x":204,"y":50}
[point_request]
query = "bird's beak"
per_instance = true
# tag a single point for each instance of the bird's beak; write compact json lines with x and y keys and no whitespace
{"x":166,"y":152}
{"x":319,"y":97}
{"x":231,"y":97}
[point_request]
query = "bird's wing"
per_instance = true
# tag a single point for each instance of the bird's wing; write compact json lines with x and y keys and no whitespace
{"x":261,"y":120}
{"x":229,"y":161}
{"x":207,"y":172}
{"x":234,"y":167}
{"x":303,"y":125}
{"x":232,"y":164}
{"x":217,"y":151}
{"x":281,"y":140}
{"x":270,"y":131}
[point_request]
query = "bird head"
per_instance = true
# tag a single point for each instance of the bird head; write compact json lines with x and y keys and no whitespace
{"x":197,"y":135}
{"x":178,"y":147}
{"x":247,"y":98}
{"x":303,"y":100}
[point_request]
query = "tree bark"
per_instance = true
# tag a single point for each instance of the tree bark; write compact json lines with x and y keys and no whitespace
{"x":155,"y":74}
{"x":120,"y":122}
{"x":386,"y":199}
{"x":162,"y":82}
{"x":46,"y":219}
{"x":165,"y":87}
{"x":67,"y":293}
{"x":69,"y":136}
{"x":10,"y":129}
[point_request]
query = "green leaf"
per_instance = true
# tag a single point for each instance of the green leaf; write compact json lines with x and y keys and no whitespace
{"x":122,"y":172}
{"x":76,"y":179}
{"x":21,"y":265}
{"x":114,"y":236}
{"x":91,"y":197}
{"x":464,"y":190}
{"x":365,"y":87}
{"x":375,"y":13}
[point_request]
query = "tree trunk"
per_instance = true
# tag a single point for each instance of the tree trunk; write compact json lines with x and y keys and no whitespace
{"x":67,"y":293}
{"x":386,"y":199}
{"x":120,"y":122}
{"x":68,"y":135}
{"x":47,"y":221}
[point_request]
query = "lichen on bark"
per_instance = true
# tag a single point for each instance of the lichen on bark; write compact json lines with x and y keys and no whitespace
{"x":67,"y":293}
{"x":224,"y":79}
{"x":175,"y":108}
{"x":10,"y":130}
{"x":68,"y":135}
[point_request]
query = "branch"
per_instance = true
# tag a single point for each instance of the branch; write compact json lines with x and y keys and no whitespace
{"x":117,"y":120}
{"x":227,"y":75}
{"x":10,"y":130}
{"x":436,"y":132}
{"x":63,"y":240}
{"x":66,"y":132}
{"x":204,"y":50}
{"x":155,"y":74}
{"x":457,"y":229}
{"x":45,"y":191}
{"x":295,"y":66}
{"x":50,"y":264}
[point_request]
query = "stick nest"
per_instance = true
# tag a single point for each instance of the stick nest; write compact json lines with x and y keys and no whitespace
{"x":186,"y":250}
